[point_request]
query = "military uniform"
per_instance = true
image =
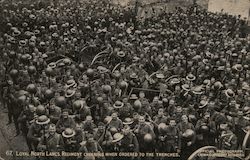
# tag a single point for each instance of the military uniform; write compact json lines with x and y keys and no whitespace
{"x":186,"y":150}
{"x":125,"y":111}
{"x":129,"y":143}
{"x":70,"y":145}
{"x":205,"y":131}
{"x":146,"y":108}
{"x":160,"y":119}
{"x":10,"y":101}
{"x":116,"y":124}
{"x":240,"y":125}
{"x":104,"y":140}
{"x":34,"y":135}
{"x":65,"y":123}
{"x":16,"y":111}
{"x":51,"y":143}
{"x":80,"y":137}
{"x":26,"y":119}
{"x":172,"y":139}
{"x":84,"y":112}
{"x":88,"y":126}
{"x":141,"y":130}
{"x":91,"y":147}
{"x":228,"y":141}
{"x":54,"y":114}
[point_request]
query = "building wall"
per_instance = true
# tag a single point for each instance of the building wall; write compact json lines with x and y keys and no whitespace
{"x":203,"y":3}
{"x":233,"y":7}
{"x":122,"y":2}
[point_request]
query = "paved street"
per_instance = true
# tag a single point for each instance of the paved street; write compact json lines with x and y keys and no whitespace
{"x":8,"y":141}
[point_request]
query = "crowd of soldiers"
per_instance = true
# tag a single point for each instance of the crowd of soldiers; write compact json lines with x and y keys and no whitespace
{"x":171,"y":83}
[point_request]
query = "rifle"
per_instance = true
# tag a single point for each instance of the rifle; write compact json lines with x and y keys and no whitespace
{"x":44,"y":138}
{"x":102,"y":138}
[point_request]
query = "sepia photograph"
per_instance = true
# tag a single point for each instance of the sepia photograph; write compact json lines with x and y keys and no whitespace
{"x":124,"y":79}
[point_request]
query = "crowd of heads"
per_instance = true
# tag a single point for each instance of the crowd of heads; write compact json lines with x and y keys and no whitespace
{"x":96,"y":62}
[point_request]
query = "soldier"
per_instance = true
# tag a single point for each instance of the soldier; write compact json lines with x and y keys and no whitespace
{"x":37,"y":131}
{"x":171,"y":108}
{"x":146,"y":108}
{"x":26,"y":118}
{"x":173,"y":141}
{"x":160,"y":117}
{"x":116,"y":142}
{"x":187,"y":136}
{"x":88,"y":125}
{"x":155,"y":105}
{"x":134,"y":81}
{"x":178,"y":113}
{"x":142,"y":96}
{"x":241,"y":122}
{"x":103,"y":137}
{"x":115,"y":122}
{"x":84,"y":110}
{"x":135,"y":120}
{"x":18,"y":104}
{"x":145,"y":135}
{"x":80,"y":135}
{"x":126,"y":110}
{"x":91,"y":146}
{"x":228,"y":140}
{"x":161,"y":137}
{"x":51,"y":141}
{"x":54,"y":113}
{"x":69,"y":140}
{"x":129,"y":142}
{"x":205,"y":130}
{"x":65,"y":122}
{"x":10,"y":99}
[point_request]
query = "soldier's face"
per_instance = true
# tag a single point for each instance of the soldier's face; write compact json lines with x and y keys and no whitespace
{"x":68,"y":73}
{"x":122,"y":69}
{"x":114,"y":116}
{"x":141,"y":120}
{"x":160,"y":112}
{"x":78,"y":95}
{"x":141,"y":95}
{"x":88,"y":119}
{"x":184,"y":118}
{"x":52,"y":130}
{"x":177,"y":89}
{"x":223,"y":127}
{"x":136,"y":117}
{"x":171,"y":103}
{"x":78,"y":127}
{"x":207,"y":116}
{"x":101,"y":128}
{"x":52,"y":107}
{"x":102,"y":76}
{"x":155,"y":102}
{"x":65,"y":114}
{"x":125,"y":100}
{"x":126,"y":131}
{"x":172,"y":123}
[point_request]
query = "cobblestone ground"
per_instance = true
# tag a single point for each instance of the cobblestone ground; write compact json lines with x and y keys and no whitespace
{"x":8,"y":140}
